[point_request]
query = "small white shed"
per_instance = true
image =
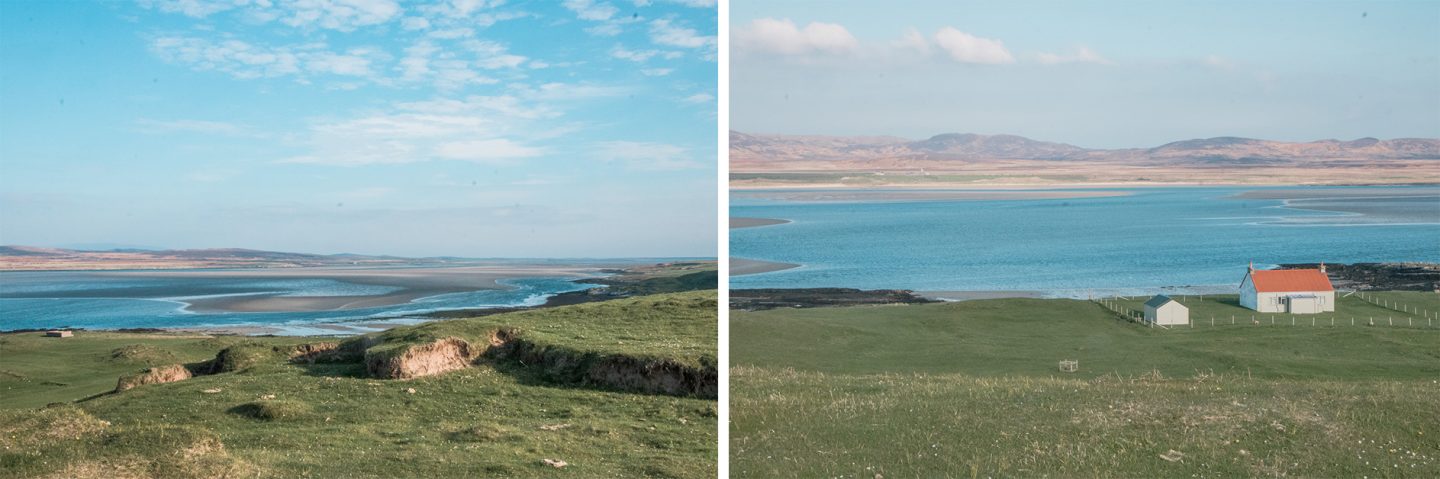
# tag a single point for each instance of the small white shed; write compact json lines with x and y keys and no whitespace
{"x":1161,"y":310}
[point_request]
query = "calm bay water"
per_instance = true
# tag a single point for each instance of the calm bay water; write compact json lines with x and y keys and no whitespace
{"x":32,"y":300}
{"x":1193,"y":239}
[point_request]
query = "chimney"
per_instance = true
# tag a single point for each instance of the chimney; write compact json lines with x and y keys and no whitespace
{"x":1252,"y":267}
{"x":1322,"y":266}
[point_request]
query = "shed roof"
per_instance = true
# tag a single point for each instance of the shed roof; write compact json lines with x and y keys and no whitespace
{"x":1290,"y":281}
{"x":1158,"y":300}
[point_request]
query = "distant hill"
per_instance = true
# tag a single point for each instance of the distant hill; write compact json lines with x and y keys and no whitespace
{"x":16,"y":257}
{"x":1204,"y":160}
{"x":969,"y":146}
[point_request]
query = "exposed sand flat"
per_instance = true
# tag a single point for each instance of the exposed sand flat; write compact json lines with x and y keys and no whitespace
{"x":414,"y":283}
{"x":927,"y":195}
{"x":972,"y":295}
{"x":741,"y":222}
{"x":742,"y":266}
{"x":278,"y":304}
{"x":1368,"y":192}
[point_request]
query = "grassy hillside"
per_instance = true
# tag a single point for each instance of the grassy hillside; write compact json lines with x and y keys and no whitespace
{"x":972,"y":389}
{"x":501,"y":416}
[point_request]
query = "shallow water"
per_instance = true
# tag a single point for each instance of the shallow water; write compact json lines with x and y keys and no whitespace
{"x":1190,"y":239}
{"x":33,"y":300}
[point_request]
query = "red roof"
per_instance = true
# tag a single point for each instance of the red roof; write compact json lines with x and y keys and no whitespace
{"x":1290,"y":281}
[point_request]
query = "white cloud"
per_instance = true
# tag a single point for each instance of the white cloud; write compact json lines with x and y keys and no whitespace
{"x":343,"y":15}
{"x":966,"y":48}
{"x":414,"y":23}
{"x":663,"y":32}
{"x":591,"y":10}
{"x":656,"y":72}
{"x":493,"y":55}
{"x":646,"y":156}
{"x":632,"y":55}
{"x":235,"y":57}
{"x":353,"y":64}
{"x":604,"y":30}
{"x":700,"y":98}
{"x":485,"y":150}
{"x":451,"y":33}
{"x":915,"y":41}
{"x":1082,"y":54}
{"x":387,"y":139}
{"x":782,"y":37}
{"x":193,"y":8}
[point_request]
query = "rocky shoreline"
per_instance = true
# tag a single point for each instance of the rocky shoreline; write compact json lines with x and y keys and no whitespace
{"x":1379,"y":276}
{"x":761,"y":299}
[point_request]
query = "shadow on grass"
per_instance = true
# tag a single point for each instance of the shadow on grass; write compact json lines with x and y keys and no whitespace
{"x":354,"y":370}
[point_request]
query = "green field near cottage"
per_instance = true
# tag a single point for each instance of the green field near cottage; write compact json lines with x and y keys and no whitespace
{"x":972,"y":389}
{"x":269,"y":417}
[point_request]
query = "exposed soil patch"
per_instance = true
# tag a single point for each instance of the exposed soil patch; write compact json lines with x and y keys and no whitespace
{"x":316,"y":352}
{"x":413,"y":361}
{"x":156,"y":375}
{"x":622,"y":372}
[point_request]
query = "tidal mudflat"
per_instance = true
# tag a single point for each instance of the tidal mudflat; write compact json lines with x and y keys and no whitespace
{"x":270,"y":301}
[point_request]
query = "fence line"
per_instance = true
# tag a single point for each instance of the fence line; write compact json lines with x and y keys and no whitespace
{"x":1398,"y":306}
{"x":1124,"y":313}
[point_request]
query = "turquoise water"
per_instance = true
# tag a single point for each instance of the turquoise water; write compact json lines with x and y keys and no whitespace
{"x":1191,"y":239}
{"x":34,"y":300}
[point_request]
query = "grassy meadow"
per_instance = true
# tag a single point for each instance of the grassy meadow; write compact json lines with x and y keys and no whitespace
{"x":277,"y":418}
{"x":972,"y":389}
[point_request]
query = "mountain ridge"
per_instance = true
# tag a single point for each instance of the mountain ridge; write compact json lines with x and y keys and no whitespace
{"x":971,"y":146}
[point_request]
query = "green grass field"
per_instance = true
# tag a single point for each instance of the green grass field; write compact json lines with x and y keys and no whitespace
{"x":499,"y":418}
{"x":972,"y":389}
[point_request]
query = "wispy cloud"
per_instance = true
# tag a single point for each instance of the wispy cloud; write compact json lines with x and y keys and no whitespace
{"x":485,"y":150}
{"x":591,"y":9}
{"x":1082,"y":54}
{"x":966,"y":48}
{"x":342,"y":15}
{"x":245,"y":60}
{"x":646,"y":156}
{"x":666,"y":32}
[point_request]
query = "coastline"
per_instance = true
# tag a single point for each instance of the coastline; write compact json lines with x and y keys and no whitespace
{"x":1058,"y":186}
{"x":870,"y":195}
{"x":974,"y":295}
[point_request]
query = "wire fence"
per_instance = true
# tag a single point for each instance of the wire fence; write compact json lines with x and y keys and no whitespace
{"x":1412,"y":318}
{"x":1394,"y":305}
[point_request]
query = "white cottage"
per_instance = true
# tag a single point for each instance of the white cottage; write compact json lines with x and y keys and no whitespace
{"x":1164,"y":311}
{"x":1294,"y":291}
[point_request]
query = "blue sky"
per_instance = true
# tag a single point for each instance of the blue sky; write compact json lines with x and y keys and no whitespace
{"x":1093,"y":74}
{"x":466,"y":127}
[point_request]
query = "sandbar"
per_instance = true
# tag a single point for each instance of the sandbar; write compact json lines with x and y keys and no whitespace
{"x":1322,"y":193}
{"x":414,"y":283}
{"x":742,"y":266}
{"x":742,"y":222}
{"x":812,"y":196}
